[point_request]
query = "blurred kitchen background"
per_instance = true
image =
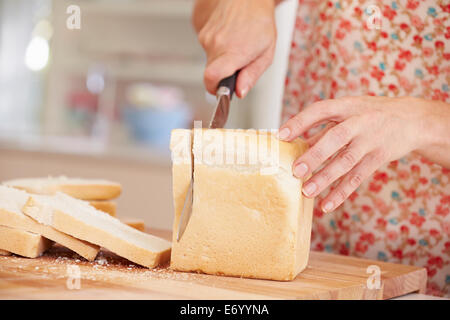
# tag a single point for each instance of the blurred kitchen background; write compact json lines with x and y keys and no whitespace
{"x":100,"y":101}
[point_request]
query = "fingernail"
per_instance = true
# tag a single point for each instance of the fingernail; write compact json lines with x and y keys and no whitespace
{"x":300,"y":170}
{"x":309,"y":189}
{"x":284,"y":134}
{"x":244,"y":92}
{"x":328,"y":207}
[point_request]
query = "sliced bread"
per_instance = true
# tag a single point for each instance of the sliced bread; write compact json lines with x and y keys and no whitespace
{"x":85,"y":189}
{"x":83,"y":221}
{"x":11,"y":204}
{"x":23,"y":243}
{"x":110,"y":207}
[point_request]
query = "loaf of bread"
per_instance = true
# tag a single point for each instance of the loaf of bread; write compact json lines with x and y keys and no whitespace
{"x":23,"y":243}
{"x":249,"y":218}
{"x":11,"y":203}
{"x":110,"y":207}
{"x":85,"y":189}
{"x":78,"y":219}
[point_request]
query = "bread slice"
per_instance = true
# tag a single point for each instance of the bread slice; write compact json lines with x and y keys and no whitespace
{"x":4,"y":253}
{"x":11,"y":204}
{"x":79,"y":219}
{"x":249,"y":218}
{"x":109,"y":207}
{"x":23,"y":243}
{"x":134,"y":223}
{"x":85,"y":189}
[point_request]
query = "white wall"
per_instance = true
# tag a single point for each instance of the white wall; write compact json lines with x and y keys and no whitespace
{"x":267,"y":97}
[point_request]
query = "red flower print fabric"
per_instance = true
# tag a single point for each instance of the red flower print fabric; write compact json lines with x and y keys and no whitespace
{"x":342,"y":48}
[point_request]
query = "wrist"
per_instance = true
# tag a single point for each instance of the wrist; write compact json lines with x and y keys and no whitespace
{"x":270,"y":3}
{"x":434,"y":128}
{"x":201,"y":12}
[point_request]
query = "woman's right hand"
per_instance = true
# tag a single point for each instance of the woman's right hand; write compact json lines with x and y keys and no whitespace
{"x":236,"y":35}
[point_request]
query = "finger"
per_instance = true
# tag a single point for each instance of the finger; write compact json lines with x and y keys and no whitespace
{"x":319,"y":112}
{"x":221,"y":68}
{"x":250,"y":74}
{"x":331,"y":142}
{"x":348,"y":158}
{"x":313,"y":140}
{"x":352,"y":180}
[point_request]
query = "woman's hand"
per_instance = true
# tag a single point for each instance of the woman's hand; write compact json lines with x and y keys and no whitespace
{"x":364,"y":133}
{"x":236,"y":35}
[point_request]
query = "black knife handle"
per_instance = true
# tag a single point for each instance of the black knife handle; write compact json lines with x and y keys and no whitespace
{"x":230,"y":83}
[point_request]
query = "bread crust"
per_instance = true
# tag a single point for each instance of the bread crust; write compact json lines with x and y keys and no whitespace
{"x":91,"y":192}
{"x":218,"y":139}
{"x":134,"y":223}
{"x":84,"y":189}
{"x":109,"y":207}
{"x":23,"y":243}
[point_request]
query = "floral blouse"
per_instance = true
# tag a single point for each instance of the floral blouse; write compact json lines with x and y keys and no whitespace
{"x":389,"y":48}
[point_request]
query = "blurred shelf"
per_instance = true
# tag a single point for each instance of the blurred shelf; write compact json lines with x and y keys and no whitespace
{"x":157,"y":8}
{"x":84,"y":146}
{"x":180,"y":72}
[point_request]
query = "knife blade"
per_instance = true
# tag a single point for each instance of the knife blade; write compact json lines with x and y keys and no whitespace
{"x":187,"y":210}
{"x":224,"y":95}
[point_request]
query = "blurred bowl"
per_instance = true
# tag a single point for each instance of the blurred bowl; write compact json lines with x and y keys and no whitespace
{"x":153,"y":125}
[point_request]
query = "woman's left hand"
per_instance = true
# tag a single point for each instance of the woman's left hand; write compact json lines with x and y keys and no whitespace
{"x":368,"y":132}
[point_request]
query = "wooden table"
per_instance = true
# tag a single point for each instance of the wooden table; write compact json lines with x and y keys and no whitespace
{"x":328,"y":276}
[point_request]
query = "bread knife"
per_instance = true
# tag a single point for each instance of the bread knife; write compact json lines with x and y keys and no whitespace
{"x":224,"y":95}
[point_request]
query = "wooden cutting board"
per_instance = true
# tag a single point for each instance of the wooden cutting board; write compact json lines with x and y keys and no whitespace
{"x":328,"y":276}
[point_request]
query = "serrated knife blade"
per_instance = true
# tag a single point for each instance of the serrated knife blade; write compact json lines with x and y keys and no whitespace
{"x":224,"y":94}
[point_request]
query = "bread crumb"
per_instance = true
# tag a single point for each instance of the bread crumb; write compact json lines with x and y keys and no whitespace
{"x":101,"y":261}
{"x":107,"y":265}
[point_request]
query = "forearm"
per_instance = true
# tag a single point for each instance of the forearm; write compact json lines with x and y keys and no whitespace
{"x":436,"y":133}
